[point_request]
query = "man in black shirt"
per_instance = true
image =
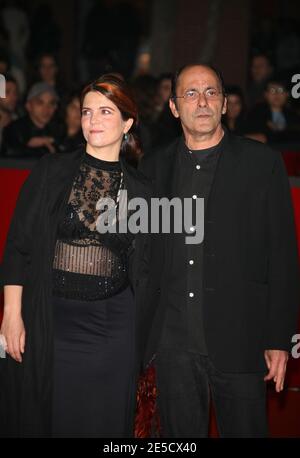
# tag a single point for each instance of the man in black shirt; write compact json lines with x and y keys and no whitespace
{"x":36,"y":133}
{"x":221,"y":313}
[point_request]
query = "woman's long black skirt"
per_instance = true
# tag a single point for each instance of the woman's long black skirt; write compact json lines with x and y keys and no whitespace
{"x":93,"y":386}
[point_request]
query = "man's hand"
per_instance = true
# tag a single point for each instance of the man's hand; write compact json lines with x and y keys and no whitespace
{"x":276,"y":362}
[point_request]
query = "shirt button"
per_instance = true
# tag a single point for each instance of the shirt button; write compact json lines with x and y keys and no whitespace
{"x":194,"y":196}
{"x":191,"y":294}
{"x":191,"y":262}
{"x":198,"y":167}
{"x":192,"y":229}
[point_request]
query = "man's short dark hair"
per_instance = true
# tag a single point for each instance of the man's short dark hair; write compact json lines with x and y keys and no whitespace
{"x":177,"y":74}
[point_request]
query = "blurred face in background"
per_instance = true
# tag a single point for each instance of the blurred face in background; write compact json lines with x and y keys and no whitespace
{"x":261,"y":69}
{"x":48,"y":69}
{"x":41,"y":109}
{"x":234,"y":106}
{"x":164,"y":89}
{"x":73,"y":114}
{"x":276,"y":95}
{"x":11,"y":96}
{"x":5,"y":118}
{"x":102,"y":123}
{"x":143,"y":63}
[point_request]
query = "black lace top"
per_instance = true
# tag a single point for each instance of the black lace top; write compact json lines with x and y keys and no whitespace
{"x":88,"y":265}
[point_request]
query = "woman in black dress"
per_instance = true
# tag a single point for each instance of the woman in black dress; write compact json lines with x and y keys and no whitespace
{"x":67,"y":285}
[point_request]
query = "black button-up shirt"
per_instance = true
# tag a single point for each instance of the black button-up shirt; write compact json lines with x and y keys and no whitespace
{"x":183,"y":327}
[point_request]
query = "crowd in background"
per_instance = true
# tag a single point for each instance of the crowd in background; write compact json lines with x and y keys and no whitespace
{"x":46,"y":118}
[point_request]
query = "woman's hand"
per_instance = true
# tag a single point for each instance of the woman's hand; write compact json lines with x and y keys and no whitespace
{"x":12,"y":327}
{"x":13,"y":330}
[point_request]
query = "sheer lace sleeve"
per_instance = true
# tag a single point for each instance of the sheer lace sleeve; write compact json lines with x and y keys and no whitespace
{"x":89,"y":265}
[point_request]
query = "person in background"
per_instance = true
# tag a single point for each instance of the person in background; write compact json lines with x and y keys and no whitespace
{"x":164,"y":84}
{"x":165,"y":127}
{"x":9,"y":108}
{"x":37,"y":133}
{"x":261,"y":70}
{"x":234,"y":118}
{"x":72,"y":137}
{"x":273,"y":120}
{"x":145,"y":92}
{"x":11,"y":100}
{"x":5,"y":120}
{"x":47,"y":70}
